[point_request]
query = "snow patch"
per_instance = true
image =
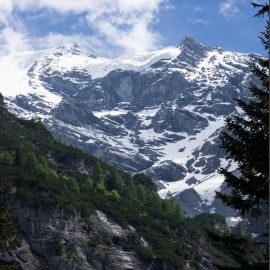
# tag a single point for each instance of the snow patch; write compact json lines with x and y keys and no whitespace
{"x":100,"y":67}
{"x":233,"y":221}
{"x":14,"y":77}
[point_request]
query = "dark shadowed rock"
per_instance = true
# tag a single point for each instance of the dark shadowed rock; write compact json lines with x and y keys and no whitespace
{"x":167,"y":171}
{"x":178,"y":120}
{"x":1,"y":100}
{"x":134,"y":117}
{"x":189,"y":201}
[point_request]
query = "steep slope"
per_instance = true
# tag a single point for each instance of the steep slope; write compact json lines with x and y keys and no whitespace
{"x":159,"y":113}
{"x":63,"y":209}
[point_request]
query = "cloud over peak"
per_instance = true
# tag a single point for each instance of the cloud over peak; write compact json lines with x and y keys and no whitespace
{"x":126,"y":25}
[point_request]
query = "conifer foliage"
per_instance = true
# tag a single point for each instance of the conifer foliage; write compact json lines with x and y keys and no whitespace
{"x":246,"y":140}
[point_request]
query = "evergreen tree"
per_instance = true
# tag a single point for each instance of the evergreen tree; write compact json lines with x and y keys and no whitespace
{"x":239,"y":230}
{"x":7,"y":230}
{"x":73,"y":185}
{"x":98,"y":174}
{"x":145,"y":181}
{"x":31,"y":163}
{"x":18,"y":157}
{"x":129,"y":189}
{"x":44,"y":162}
{"x":246,"y":141}
{"x":141,"y":194}
{"x":1,"y":100}
{"x":131,"y":186}
{"x":153,"y":199}
{"x":178,"y":213}
{"x":114,"y":181}
{"x":6,"y":158}
{"x":89,"y":183}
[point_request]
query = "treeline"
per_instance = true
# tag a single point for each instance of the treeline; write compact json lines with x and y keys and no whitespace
{"x":41,"y":183}
{"x":44,"y":173}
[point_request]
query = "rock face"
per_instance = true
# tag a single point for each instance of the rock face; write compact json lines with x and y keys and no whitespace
{"x":56,"y":239}
{"x":160,"y":112}
{"x":167,"y":171}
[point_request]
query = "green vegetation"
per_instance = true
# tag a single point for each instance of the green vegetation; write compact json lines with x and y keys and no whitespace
{"x":8,"y":238}
{"x":247,"y":141}
{"x":42,"y":172}
{"x":211,"y":221}
{"x":47,"y":173}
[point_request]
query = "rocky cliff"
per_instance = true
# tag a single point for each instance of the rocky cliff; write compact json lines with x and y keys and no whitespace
{"x":160,"y":113}
{"x":61,"y":208}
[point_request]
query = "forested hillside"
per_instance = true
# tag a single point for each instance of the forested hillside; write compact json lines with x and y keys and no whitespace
{"x":64,"y":209}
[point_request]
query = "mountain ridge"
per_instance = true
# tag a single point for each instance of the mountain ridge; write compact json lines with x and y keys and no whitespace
{"x":148,"y":113}
{"x":61,"y":208}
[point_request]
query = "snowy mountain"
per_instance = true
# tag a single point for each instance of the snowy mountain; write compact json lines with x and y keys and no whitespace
{"x":160,"y":113}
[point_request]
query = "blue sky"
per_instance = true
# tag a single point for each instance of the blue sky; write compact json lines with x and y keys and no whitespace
{"x":116,"y":27}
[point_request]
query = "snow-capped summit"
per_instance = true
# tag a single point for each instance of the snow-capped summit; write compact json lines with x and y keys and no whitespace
{"x":158,"y":112}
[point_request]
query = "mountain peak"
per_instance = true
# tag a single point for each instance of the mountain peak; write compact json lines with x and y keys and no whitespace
{"x":190,"y":43}
{"x":188,"y":39}
{"x":73,"y":49}
{"x":77,"y":50}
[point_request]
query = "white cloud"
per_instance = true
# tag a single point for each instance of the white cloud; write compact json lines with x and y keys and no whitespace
{"x":198,"y":21}
{"x":193,"y":15}
{"x":89,"y":43}
{"x":6,"y":8}
{"x":229,"y":8}
{"x":129,"y":29}
{"x":197,"y":9}
{"x":13,"y":35}
{"x":126,"y":24}
{"x":12,"y":40}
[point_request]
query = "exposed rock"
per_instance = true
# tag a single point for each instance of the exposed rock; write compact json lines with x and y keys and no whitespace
{"x":57,"y":239}
{"x":189,"y":201}
{"x":167,"y":171}
{"x":138,"y":111}
{"x":75,"y":114}
{"x":178,"y":120}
